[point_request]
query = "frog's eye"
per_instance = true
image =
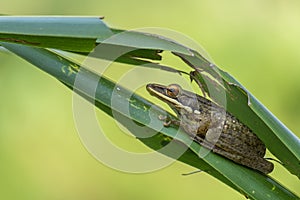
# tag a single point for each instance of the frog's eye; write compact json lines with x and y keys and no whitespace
{"x":173,"y":90}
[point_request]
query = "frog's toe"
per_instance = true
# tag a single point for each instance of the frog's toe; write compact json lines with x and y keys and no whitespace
{"x":162,"y":117}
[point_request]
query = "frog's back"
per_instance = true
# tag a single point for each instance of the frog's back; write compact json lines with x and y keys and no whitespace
{"x":235,"y":136}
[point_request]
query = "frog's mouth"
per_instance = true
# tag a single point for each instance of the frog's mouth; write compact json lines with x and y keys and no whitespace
{"x":160,"y":92}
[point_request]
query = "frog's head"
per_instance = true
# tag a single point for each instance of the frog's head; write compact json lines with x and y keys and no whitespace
{"x":174,"y":96}
{"x":168,"y":94}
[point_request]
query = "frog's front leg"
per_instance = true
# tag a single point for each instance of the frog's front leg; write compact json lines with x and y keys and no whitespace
{"x":167,"y":121}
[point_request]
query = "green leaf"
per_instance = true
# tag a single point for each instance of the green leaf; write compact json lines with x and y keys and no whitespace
{"x":66,"y":33}
{"x":257,"y":186}
{"x":142,"y":40}
{"x":77,"y":34}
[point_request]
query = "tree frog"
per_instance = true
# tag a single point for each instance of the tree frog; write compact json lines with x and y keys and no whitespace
{"x":213,"y":127}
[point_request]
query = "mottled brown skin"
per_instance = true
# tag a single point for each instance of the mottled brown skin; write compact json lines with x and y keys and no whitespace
{"x":213,"y":127}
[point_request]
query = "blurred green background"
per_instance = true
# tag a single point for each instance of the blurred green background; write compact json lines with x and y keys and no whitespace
{"x":41,"y":154}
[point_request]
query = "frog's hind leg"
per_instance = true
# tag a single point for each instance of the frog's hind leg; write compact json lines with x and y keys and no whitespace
{"x":257,"y":163}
